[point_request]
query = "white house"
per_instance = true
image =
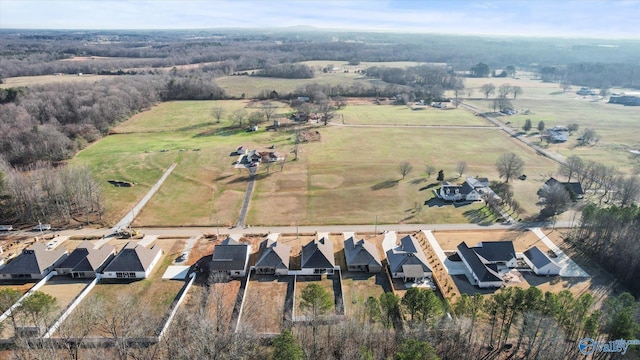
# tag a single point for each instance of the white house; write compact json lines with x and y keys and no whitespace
{"x":486,"y":262}
{"x":471,"y":190}
{"x":540,"y":263}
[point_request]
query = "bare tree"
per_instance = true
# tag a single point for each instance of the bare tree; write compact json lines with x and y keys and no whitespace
{"x":238,"y":116}
{"x":565,"y":85}
{"x":574,"y":164}
{"x":327,"y":110}
{"x":509,"y":165}
{"x":504,"y":90}
{"x":404,"y":169}
{"x":461,"y":167}
{"x":555,"y":199}
{"x":588,"y":135}
{"x":218,"y":113}
{"x":516,"y":90}
{"x":268,"y":110}
{"x":430,"y":169}
{"x":487,"y":89}
{"x":628,"y":190}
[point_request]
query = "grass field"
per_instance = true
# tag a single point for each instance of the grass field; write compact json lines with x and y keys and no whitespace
{"x":24,"y":81}
{"x":352,"y":169}
{"x":615,"y":124}
{"x":402,"y":115}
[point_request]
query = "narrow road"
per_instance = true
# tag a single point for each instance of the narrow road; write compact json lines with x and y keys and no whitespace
{"x":247,"y":196}
{"x":486,"y":127}
{"x":514,"y":134}
{"x":131,"y":215}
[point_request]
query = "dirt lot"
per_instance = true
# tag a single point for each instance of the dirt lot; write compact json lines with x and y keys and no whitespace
{"x":64,"y":289}
{"x":522,"y":240}
{"x":264,"y":304}
{"x":221,"y":301}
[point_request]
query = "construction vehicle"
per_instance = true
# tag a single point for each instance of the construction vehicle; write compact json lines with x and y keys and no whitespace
{"x":129,"y":234}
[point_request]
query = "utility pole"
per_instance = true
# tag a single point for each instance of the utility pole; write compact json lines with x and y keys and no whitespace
{"x":218,"y":228}
{"x":296,"y":228}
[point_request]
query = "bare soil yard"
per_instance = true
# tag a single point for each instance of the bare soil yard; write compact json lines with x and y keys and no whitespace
{"x":522,"y":240}
{"x":264,"y":304}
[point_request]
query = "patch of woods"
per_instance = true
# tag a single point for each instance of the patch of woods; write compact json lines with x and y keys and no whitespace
{"x":286,"y":71}
{"x":511,"y":323}
{"x":41,"y":192}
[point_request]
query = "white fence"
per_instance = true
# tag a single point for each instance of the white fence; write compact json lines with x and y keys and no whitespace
{"x":29,"y":293}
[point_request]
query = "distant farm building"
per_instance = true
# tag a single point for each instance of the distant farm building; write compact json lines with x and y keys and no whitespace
{"x":626,"y":100}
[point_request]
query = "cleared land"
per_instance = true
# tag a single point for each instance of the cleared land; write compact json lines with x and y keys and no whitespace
{"x":372,"y":114}
{"x":522,"y":240}
{"x":546,"y":102}
{"x":25,"y":81}
{"x":264,"y":303}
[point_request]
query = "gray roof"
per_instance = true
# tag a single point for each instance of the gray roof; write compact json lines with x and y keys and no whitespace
{"x":230,"y":255}
{"x":360,"y":252}
{"x":494,"y":251}
{"x":414,"y":271}
{"x":274,"y":254}
{"x":95,"y":259}
{"x":133,"y":257}
{"x":33,"y":260}
{"x":537,"y":257}
{"x":483,"y":273}
{"x":575,"y":186}
{"x":318,"y":254}
{"x":408,"y":253}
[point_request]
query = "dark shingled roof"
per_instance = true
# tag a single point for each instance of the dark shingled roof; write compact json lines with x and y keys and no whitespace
{"x":318,"y":254}
{"x":408,"y":253}
{"x":274,"y":254}
{"x":133,"y":257}
{"x":483,"y":272}
{"x":575,"y":186}
{"x":33,"y":260}
{"x":230,"y":255}
{"x":493,"y":251}
{"x":537,"y":257}
{"x":360,"y":253}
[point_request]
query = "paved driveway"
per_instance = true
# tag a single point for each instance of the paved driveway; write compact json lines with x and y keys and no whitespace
{"x":568,"y":267}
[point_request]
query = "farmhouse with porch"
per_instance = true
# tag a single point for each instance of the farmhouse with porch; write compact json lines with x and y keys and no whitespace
{"x":408,"y":262}
{"x":471,"y":190}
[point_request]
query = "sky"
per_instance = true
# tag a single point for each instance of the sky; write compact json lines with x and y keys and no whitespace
{"x":583,"y":18}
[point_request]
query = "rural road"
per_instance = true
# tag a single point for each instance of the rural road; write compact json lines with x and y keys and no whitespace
{"x":130,"y":216}
{"x":247,"y":196}
{"x":515,"y":134}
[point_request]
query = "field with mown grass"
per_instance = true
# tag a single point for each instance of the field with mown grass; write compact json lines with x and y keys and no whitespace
{"x":616,"y":125}
{"x":403,"y":115}
{"x":348,"y":177}
{"x":24,"y":81}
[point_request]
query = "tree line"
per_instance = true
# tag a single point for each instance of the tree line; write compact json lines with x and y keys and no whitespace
{"x":511,"y":323}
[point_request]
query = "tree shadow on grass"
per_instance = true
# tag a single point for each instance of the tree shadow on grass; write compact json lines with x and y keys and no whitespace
{"x":418,"y":181}
{"x":387,"y":184}
{"x":432,"y":185}
{"x":479,"y":217}
{"x":225,"y":131}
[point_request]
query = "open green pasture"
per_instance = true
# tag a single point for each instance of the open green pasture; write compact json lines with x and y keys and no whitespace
{"x":252,"y":85}
{"x":616,"y":125}
{"x":402,"y":115}
{"x":352,"y":175}
{"x":203,"y":187}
